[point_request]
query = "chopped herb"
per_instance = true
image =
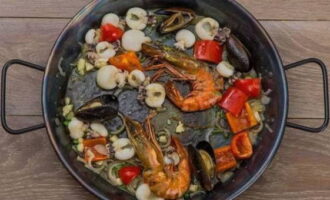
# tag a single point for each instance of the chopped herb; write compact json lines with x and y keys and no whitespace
{"x":66,"y":123}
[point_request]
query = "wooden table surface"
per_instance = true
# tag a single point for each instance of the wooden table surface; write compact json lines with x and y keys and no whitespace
{"x":29,"y":168}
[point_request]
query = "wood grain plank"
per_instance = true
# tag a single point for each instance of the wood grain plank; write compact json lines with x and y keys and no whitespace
{"x":41,"y":8}
{"x":288,"y":9}
{"x":300,"y":169}
{"x":295,"y":41}
{"x":263,"y":9}
{"x":30,"y":169}
{"x":24,"y":84}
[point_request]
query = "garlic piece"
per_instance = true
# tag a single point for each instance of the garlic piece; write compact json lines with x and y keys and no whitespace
{"x":207,"y":28}
{"x":76,"y":128}
{"x":143,"y":192}
{"x":92,"y":36}
{"x":106,"y":77}
{"x":155,"y":95}
{"x":123,"y":149}
{"x":136,"y":78}
{"x":110,"y":18}
{"x":185,"y":39}
{"x":101,"y":62}
{"x":136,"y":18}
{"x":99,"y":129}
{"x":105,"y":50}
{"x":225,"y":69}
{"x":180,"y":128}
{"x":81,"y":66}
{"x":132,"y":40}
{"x":121,"y":79}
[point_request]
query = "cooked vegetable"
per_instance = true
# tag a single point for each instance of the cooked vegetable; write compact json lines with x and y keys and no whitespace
{"x":113,"y":173}
{"x":96,"y":149}
{"x":179,"y":128}
{"x":136,"y":18}
{"x":225,"y":69}
{"x":111,"y":18}
{"x":99,"y":129}
{"x":155,"y":95}
{"x":184,"y":39}
{"x":126,"y":61}
{"x":233,"y":101}
{"x":250,"y":86}
{"x":105,"y":77}
{"x":207,"y":28}
{"x":81,"y":66}
{"x":208,"y":50}
{"x":128,"y":173}
{"x":225,"y":159}
{"x":244,"y":121}
{"x":241,"y":146}
{"x":111,"y":33}
{"x":132,"y":40}
{"x":77,"y":128}
{"x":136,"y":78}
{"x":123,"y":149}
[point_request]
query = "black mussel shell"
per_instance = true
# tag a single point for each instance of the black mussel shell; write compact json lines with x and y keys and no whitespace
{"x":238,"y":55}
{"x":204,"y":145}
{"x":100,"y":109}
{"x":199,"y":169}
{"x":170,"y":11}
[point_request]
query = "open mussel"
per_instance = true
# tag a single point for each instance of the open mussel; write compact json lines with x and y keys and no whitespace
{"x":203,"y":163}
{"x":179,"y":18}
{"x":101,"y":108}
{"x":238,"y":55}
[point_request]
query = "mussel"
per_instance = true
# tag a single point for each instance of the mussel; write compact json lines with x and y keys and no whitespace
{"x":203,"y":163}
{"x":238,"y":55}
{"x":101,"y":108}
{"x":179,"y":18}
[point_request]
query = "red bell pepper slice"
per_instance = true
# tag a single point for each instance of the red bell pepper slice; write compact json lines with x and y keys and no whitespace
{"x":244,"y":121}
{"x":126,"y":61}
{"x":110,"y":33}
{"x":129,"y":173}
{"x":241,"y":146}
{"x":233,"y":100}
{"x":89,"y":144}
{"x":225,"y":159}
{"x":250,"y":86}
{"x":208,"y":50}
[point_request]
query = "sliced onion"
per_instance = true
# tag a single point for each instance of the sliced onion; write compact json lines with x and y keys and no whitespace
{"x":165,"y":132}
{"x":121,"y":128}
{"x":112,"y":175}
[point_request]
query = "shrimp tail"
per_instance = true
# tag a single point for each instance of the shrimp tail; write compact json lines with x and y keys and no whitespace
{"x":174,"y":94}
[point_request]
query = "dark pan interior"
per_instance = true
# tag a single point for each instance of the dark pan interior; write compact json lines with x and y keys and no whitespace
{"x":228,"y":13}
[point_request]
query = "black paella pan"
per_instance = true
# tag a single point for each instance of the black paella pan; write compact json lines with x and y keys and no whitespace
{"x":227,"y":12}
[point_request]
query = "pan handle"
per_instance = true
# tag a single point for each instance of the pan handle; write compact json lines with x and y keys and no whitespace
{"x":3,"y":96}
{"x":325,"y":95}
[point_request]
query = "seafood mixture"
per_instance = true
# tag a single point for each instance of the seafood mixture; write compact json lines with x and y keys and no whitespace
{"x":164,"y":104}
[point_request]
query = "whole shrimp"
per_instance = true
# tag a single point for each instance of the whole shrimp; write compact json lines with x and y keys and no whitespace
{"x":205,"y":92}
{"x":166,"y":181}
